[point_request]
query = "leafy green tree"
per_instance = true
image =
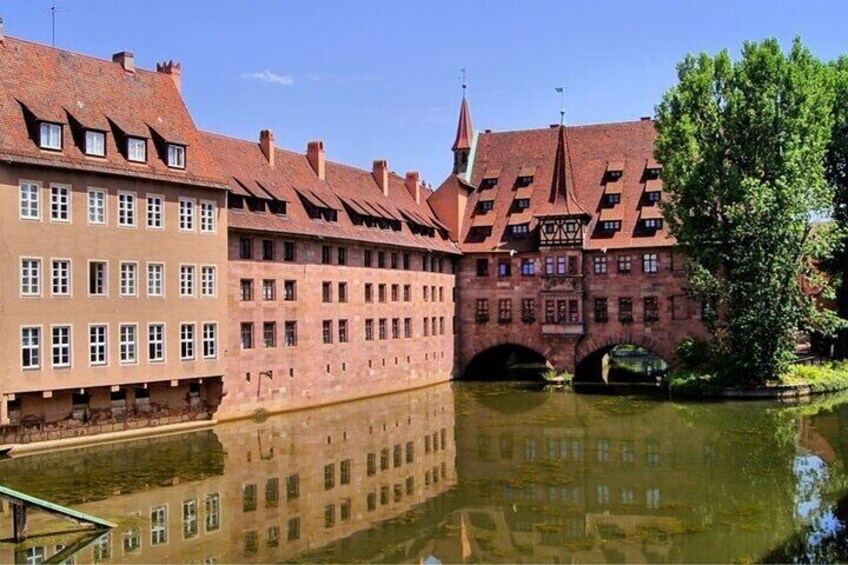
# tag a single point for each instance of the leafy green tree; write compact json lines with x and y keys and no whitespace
{"x":743,"y":147}
{"x":837,"y":173}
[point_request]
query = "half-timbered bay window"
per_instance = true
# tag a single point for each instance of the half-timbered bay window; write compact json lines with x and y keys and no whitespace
{"x":601,"y":310}
{"x":652,"y":310}
{"x":482,"y":313}
{"x":505,"y":310}
{"x":528,"y":310}
{"x":560,"y":230}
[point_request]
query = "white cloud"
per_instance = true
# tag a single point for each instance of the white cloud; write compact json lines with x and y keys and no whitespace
{"x":268,"y":76}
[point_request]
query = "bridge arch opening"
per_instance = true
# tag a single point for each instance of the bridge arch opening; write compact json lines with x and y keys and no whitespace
{"x":623,"y":363}
{"x":507,"y":362}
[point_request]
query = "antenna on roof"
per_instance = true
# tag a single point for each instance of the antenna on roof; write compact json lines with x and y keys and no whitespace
{"x":54,"y":9}
{"x":464,"y":81}
{"x":561,"y":90}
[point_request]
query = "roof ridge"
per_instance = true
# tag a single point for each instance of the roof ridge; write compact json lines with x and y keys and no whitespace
{"x":568,"y":127}
{"x":74,"y":53}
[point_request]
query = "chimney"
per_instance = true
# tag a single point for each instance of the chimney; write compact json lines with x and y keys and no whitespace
{"x":266,"y":144}
{"x":380,"y":172}
{"x":315,"y":156}
{"x":413,"y":185}
{"x":126,"y":60}
{"x":173,"y":69}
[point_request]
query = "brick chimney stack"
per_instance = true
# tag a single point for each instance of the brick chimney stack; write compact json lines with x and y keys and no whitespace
{"x":413,"y":185}
{"x":126,"y":60}
{"x":380,"y":172}
{"x":173,"y":69}
{"x":266,"y":143}
{"x":315,"y":156}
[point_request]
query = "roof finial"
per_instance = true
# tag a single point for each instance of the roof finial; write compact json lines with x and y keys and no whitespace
{"x":464,"y":81}
{"x":561,"y":90}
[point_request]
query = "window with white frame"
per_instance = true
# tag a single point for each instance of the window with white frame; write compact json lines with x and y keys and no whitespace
{"x":60,"y":277}
{"x":128,"y":334}
{"x":186,"y":280}
{"x":176,"y":156}
{"x":137,"y":149}
{"x":96,"y":206}
{"x":126,"y":209}
{"x":129,"y":279}
{"x":190,"y":522}
{"x":31,"y":348}
{"x":186,"y":214}
{"x":97,"y":278}
{"x":30,"y":277}
{"x":60,"y":203}
{"x":186,"y":341}
{"x":30,"y":201}
{"x":61,"y":336}
{"x":210,"y":340}
{"x":208,"y":213}
{"x":51,"y":136}
{"x":159,"y":525}
{"x":156,"y":342}
{"x":95,"y":143}
{"x":154,"y":212}
{"x":212,"y":505}
{"x":208,"y":276}
{"x":155,"y":279}
{"x":650,"y":263}
{"x":97,"y":336}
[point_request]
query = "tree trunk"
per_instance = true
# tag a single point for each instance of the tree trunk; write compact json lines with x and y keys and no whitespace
{"x":842,"y":310}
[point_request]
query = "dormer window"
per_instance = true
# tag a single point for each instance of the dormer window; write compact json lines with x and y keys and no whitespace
{"x":95,"y":143}
{"x":611,"y":225}
{"x":613,"y":199}
{"x":278,"y":207}
{"x":520,"y":229}
{"x":522,"y":203}
{"x":653,"y":197}
{"x":137,"y":149}
{"x":524,"y":181}
{"x":176,"y":156}
{"x":50,"y":136}
{"x":486,"y":205}
{"x":652,"y":224}
{"x":486,"y":184}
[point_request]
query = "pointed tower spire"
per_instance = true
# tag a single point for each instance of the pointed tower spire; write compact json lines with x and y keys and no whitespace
{"x":464,"y":134}
{"x":562,"y":199}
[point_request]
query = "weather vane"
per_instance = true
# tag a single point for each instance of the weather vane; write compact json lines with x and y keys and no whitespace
{"x":464,"y":82}
{"x":561,"y":90}
{"x":54,"y":9}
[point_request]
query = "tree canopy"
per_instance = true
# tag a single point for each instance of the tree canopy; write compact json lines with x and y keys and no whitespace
{"x":743,"y":145}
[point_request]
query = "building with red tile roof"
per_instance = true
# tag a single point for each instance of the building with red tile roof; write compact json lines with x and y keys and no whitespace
{"x":565,"y":251}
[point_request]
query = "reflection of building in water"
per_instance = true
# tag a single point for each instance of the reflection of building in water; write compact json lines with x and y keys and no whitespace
{"x":568,"y":479}
{"x":290,"y":484}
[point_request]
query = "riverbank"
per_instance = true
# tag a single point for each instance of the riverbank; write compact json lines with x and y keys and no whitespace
{"x":801,"y":381}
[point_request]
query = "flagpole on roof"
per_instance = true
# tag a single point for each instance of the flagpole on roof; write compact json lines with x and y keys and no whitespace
{"x":561,"y":90}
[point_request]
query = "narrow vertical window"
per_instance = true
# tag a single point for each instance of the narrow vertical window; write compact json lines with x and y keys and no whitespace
{"x":247,"y":335}
{"x":186,"y":214}
{"x":176,"y":156}
{"x":291,"y":334}
{"x":95,"y":143}
{"x":159,"y":525}
{"x":60,"y":277}
{"x":137,"y":149}
{"x":30,"y":277}
{"x":96,"y":207}
{"x":60,"y":203}
{"x":154,"y":212}
{"x":186,"y":341}
{"x":126,"y":209}
{"x":31,"y":348}
{"x":156,"y":342}
{"x":208,"y":216}
{"x":187,"y":280}
{"x":155,"y":279}
{"x":128,"y":343}
{"x":30,"y":201}
{"x":208,"y":280}
{"x":61,"y":346}
{"x":97,"y":278}
{"x":129,"y":279}
{"x":97,"y":345}
{"x":210,"y":340}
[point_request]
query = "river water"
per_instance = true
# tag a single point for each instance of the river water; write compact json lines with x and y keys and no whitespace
{"x":462,"y":472}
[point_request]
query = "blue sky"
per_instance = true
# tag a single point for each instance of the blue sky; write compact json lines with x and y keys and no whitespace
{"x":381,"y":79}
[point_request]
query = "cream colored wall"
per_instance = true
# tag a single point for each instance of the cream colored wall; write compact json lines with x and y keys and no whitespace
{"x":82,"y":242}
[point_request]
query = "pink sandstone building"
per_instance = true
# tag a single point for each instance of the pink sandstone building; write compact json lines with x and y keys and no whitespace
{"x":156,"y":274}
